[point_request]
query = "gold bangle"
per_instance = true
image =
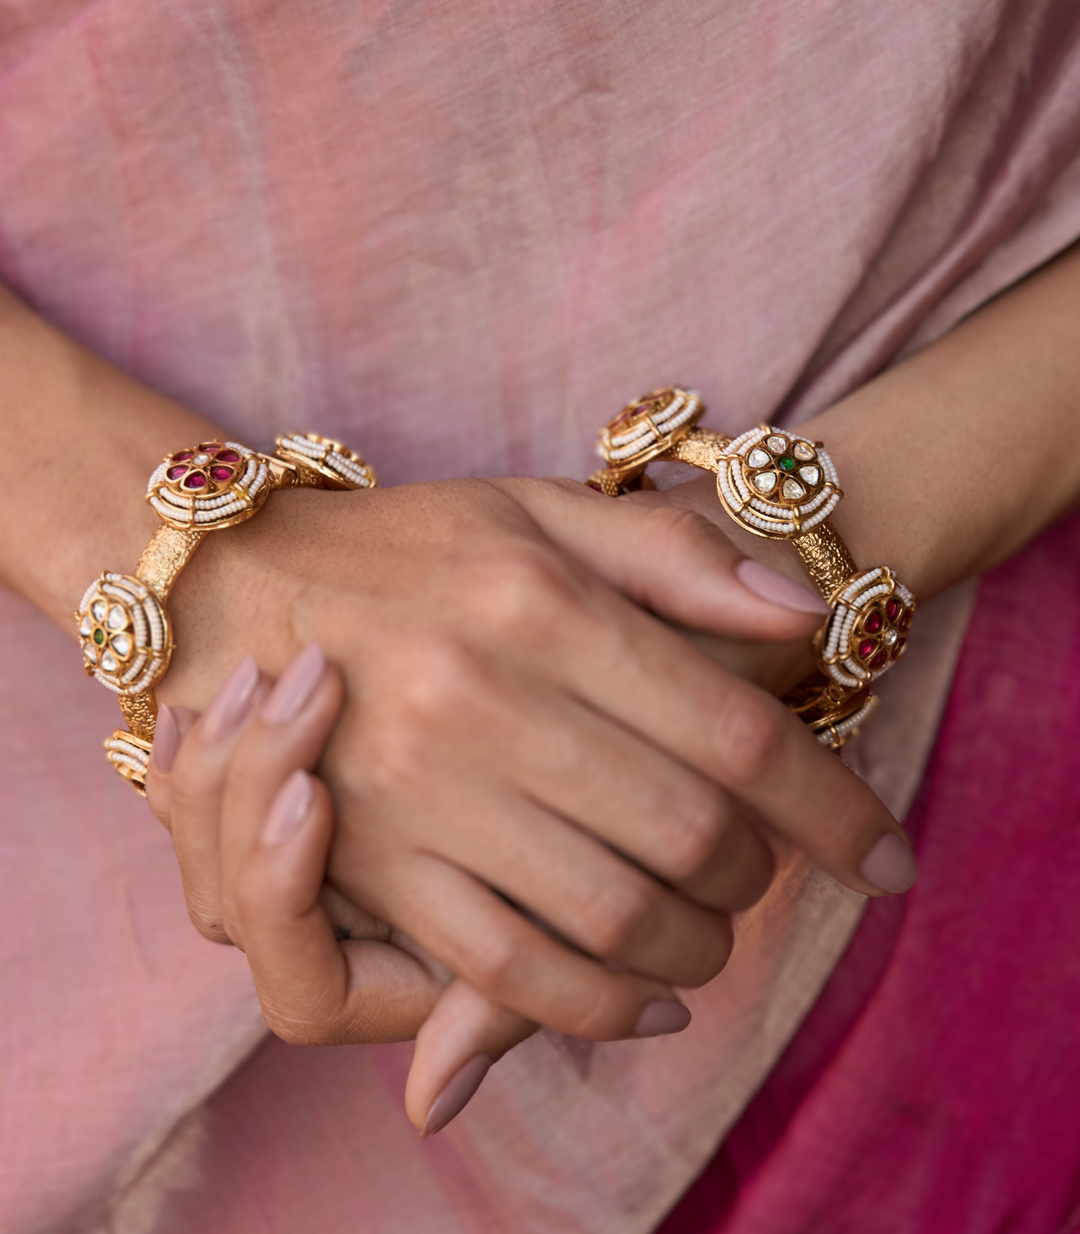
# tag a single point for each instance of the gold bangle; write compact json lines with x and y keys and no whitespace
{"x":123,"y":622}
{"x":778,"y":485}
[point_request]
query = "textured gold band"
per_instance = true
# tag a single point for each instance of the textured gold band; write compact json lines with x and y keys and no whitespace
{"x":826,"y":558}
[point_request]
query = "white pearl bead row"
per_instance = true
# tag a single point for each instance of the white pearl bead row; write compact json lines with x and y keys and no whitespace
{"x":835,"y":734}
{"x":857,"y":585}
{"x":742,"y":444}
{"x":682,"y":407}
{"x":348,"y":469}
{"x":302,"y":445}
{"x":128,"y":755}
{"x":620,"y":455}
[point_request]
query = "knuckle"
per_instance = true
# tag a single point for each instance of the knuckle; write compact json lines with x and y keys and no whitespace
{"x":438,"y":676}
{"x":619,"y":921}
{"x":694,"y":833}
{"x":750,"y":738}
{"x":519,"y":590}
{"x":491,"y":965}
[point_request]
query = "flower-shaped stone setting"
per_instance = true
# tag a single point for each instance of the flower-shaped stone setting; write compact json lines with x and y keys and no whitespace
{"x":868,"y":628}
{"x":125,"y":634}
{"x":204,"y":470}
{"x":214,"y":484}
{"x":776,"y":484}
{"x":648,"y":426}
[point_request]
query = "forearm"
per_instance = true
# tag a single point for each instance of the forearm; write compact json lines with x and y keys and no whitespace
{"x":956,"y":458}
{"x":77,"y":441}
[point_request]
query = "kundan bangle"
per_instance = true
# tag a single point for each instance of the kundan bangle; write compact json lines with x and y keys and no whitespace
{"x":776,"y":484}
{"x":123,"y":623}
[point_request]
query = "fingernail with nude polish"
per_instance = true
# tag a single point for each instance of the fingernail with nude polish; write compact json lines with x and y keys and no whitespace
{"x":166,"y":739}
{"x":457,"y":1094}
{"x":294,"y":686}
{"x":233,"y":701}
{"x":778,"y":588}
{"x":662,"y":1016}
{"x":890,"y":865}
{"x":288,"y":809}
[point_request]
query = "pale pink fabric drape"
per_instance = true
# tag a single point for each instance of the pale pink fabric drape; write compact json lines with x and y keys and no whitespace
{"x":458,"y":234}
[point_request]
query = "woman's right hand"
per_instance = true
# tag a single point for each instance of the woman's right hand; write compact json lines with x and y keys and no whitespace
{"x":521,"y":742}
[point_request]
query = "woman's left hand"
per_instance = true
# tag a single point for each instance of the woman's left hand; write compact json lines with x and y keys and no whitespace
{"x":322,"y":967}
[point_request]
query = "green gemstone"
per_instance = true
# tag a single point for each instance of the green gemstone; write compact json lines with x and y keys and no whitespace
{"x":787,"y":462}
{"x":99,"y":637}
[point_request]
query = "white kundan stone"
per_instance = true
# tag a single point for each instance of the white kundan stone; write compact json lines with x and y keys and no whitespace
{"x":758,"y":458}
{"x":766,"y":482}
{"x":90,"y":651}
{"x":108,"y":662}
{"x":776,"y":444}
{"x":98,"y":610}
{"x":121,"y":644}
{"x":810,"y":474}
{"x":117,"y":618}
{"x":890,"y":637}
{"x":86,"y":626}
{"x":803,"y":451}
{"x":793,"y":490}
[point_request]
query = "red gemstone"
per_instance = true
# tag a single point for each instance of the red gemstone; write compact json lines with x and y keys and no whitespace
{"x":174,"y":473}
{"x":195,"y":480}
{"x":879,"y":660}
{"x":866,"y":647}
{"x":209,"y":447}
{"x":905,"y":619}
{"x":892,"y":607}
{"x":873,"y":623}
{"x":228,"y":456}
{"x":221,"y":473}
{"x":182,"y":456}
{"x":898,"y":647}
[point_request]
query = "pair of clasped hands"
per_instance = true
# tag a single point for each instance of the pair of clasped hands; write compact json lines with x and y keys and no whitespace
{"x":503,"y":754}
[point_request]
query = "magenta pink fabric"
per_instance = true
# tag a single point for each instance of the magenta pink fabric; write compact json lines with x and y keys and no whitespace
{"x":935,"y":1087}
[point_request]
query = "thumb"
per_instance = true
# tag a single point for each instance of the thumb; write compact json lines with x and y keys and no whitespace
{"x":674,"y":562}
{"x":456,"y":1045}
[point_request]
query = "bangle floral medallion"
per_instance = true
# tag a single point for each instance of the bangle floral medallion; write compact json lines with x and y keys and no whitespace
{"x":124,"y":626}
{"x":323,"y":462}
{"x":777,"y":485}
{"x":782,"y":486}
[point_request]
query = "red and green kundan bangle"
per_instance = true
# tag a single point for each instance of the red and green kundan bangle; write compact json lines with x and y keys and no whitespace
{"x":123,"y":623}
{"x":778,"y":485}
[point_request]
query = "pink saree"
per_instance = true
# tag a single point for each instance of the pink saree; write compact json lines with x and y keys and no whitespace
{"x":459,"y":235}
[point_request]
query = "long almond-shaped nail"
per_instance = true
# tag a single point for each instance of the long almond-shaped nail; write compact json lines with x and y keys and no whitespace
{"x":457,"y":1094}
{"x":778,"y":588}
{"x":166,"y":739}
{"x":890,"y":865}
{"x":662,"y":1016}
{"x":288,"y":809}
{"x":233,"y":702}
{"x":295,"y":686}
